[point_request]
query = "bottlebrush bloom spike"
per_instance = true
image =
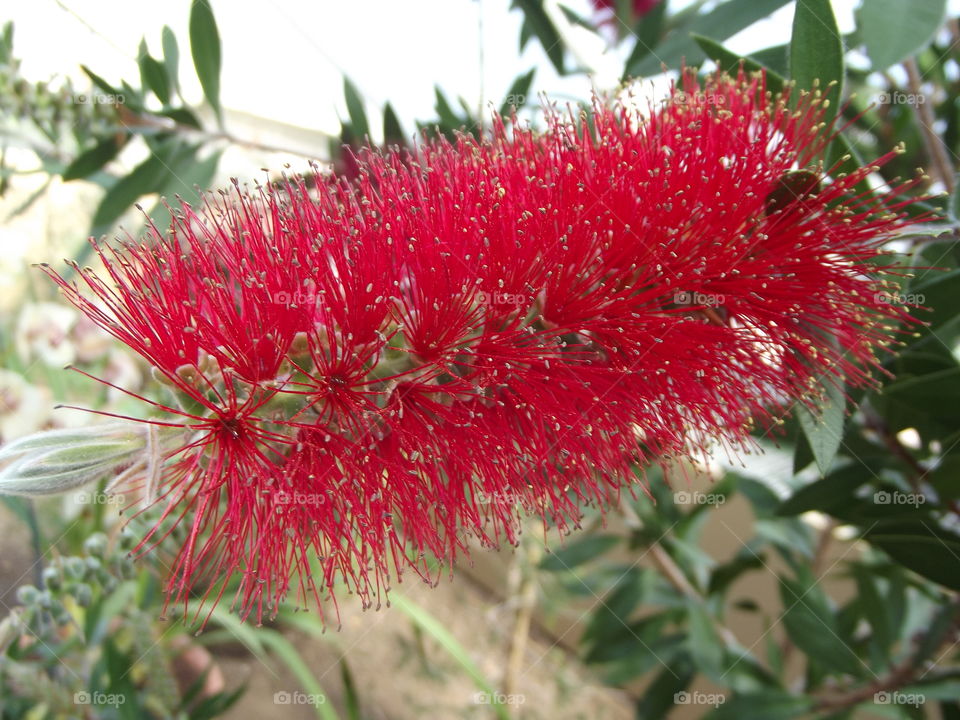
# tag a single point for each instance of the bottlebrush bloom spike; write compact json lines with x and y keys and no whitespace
{"x":370,"y":372}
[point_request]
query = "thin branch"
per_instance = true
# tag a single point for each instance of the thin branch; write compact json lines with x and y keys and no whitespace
{"x":935,"y":148}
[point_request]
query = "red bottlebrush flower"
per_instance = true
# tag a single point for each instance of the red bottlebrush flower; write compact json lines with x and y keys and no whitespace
{"x":369,"y":372}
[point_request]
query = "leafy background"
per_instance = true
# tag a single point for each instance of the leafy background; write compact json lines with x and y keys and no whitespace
{"x":818,"y":579}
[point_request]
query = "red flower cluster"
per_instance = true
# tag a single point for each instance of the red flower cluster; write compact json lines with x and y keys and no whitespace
{"x":367,"y":373}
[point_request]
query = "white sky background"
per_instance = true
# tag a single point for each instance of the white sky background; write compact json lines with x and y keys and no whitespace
{"x":284,"y":59}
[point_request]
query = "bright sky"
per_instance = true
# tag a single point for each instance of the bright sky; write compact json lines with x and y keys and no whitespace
{"x":284,"y":59}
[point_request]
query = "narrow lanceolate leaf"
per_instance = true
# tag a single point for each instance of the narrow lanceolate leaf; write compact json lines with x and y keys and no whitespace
{"x":153,"y":74}
{"x":519,"y":93}
{"x":358,"y":116}
{"x":92,"y":160}
{"x":60,"y":460}
{"x":816,"y":51}
{"x":824,"y":429}
{"x":893,"y":30}
{"x":730,"y":61}
{"x":171,"y":56}
{"x":205,"y":48}
{"x":812,"y":627}
{"x":722,"y":22}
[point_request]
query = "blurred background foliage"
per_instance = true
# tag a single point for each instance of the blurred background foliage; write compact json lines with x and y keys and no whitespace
{"x":820,"y":578}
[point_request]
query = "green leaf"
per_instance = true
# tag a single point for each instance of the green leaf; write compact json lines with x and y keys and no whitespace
{"x":648,"y":32}
{"x":171,"y":56}
{"x":721,"y":23}
{"x":100,"y":82}
{"x":921,"y":546}
{"x":763,"y":705}
{"x":150,"y":176}
{"x":153,"y":74}
{"x":358,"y":116}
{"x":577,"y":553}
{"x":893,"y":30}
{"x":392,"y":130}
{"x":187,"y":181}
{"x":816,"y":51}
{"x":92,"y":160}
{"x":812,"y":628}
{"x":448,"y":118}
{"x":705,"y":646}
{"x":290,"y":657}
{"x":612,"y":616}
{"x":518,"y":93}
{"x":205,"y":48}
{"x":828,"y":493}
{"x":667,"y":689}
{"x":824,"y":431}
{"x":730,"y":61}
{"x":539,"y":24}
{"x":435,"y":629}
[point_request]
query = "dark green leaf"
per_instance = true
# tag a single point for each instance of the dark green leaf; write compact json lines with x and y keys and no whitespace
{"x":824,"y":431}
{"x":153,"y":74}
{"x":704,"y":644}
{"x":922,"y":547}
{"x":580,"y":551}
{"x":392,"y":130}
{"x":92,"y":160}
{"x":816,"y":51}
{"x":721,"y":23}
{"x":358,"y":116}
{"x":828,"y":493}
{"x":667,"y":688}
{"x":647,"y":33}
{"x":730,"y":61}
{"x":100,"y":82}
{"x":763,"y":705}
{"x":205,"y":48}
{"x":612,"y":615}
{"x":893,"y":30}
{"x":540,"y":25}
{"x":812,"y":628}
{"x":150,"y":176}
{"x":518,"y":94}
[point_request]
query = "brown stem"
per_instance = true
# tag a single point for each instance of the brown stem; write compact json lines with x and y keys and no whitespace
{"x":935,"y":148}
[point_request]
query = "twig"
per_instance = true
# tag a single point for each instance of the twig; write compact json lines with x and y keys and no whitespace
{"x":526,"y":596}
{"x":934,"y":146}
